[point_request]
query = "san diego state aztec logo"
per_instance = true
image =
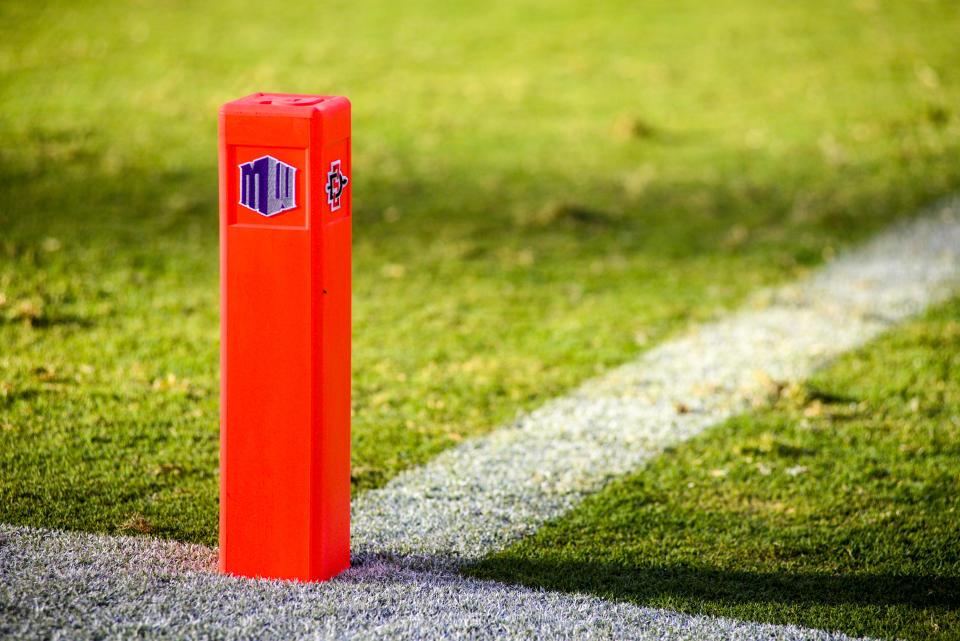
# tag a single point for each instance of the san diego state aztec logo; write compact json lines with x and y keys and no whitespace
{"x":336,"y":182}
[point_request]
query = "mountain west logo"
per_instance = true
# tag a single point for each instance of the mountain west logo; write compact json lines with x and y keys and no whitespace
{"x":336,"y":181}
{"x":268,"y":186}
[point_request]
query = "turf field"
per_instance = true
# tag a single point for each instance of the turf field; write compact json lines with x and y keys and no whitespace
{"x":412,"y":536}
{"x":541,"y":192}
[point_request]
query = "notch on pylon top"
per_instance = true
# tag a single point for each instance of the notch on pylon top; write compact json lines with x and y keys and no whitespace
{"x":284,"y":99}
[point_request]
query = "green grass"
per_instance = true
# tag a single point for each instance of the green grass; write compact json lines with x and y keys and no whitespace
{"x":835,"y":508}
{"x":541,"y":191}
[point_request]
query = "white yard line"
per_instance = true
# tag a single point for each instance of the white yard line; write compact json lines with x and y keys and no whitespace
{"x":478,"y":497}
{"x":410,"y":536}
{"x":80,"y":586}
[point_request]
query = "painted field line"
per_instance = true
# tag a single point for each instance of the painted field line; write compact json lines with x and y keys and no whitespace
{"x":412,"y":534}
{"x":487,"y":492}
{"x":60,"y":585}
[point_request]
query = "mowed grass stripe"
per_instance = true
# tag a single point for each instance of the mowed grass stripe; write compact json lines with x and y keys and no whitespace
{"x":478,"y":497}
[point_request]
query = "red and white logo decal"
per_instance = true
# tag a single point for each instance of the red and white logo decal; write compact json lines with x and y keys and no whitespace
{"x":336,"y":182}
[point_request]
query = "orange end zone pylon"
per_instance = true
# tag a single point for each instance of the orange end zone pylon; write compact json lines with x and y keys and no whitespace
{"x":285,"y":336}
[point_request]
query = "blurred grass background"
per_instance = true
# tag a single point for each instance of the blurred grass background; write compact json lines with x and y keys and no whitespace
{"x":541,"y":191}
